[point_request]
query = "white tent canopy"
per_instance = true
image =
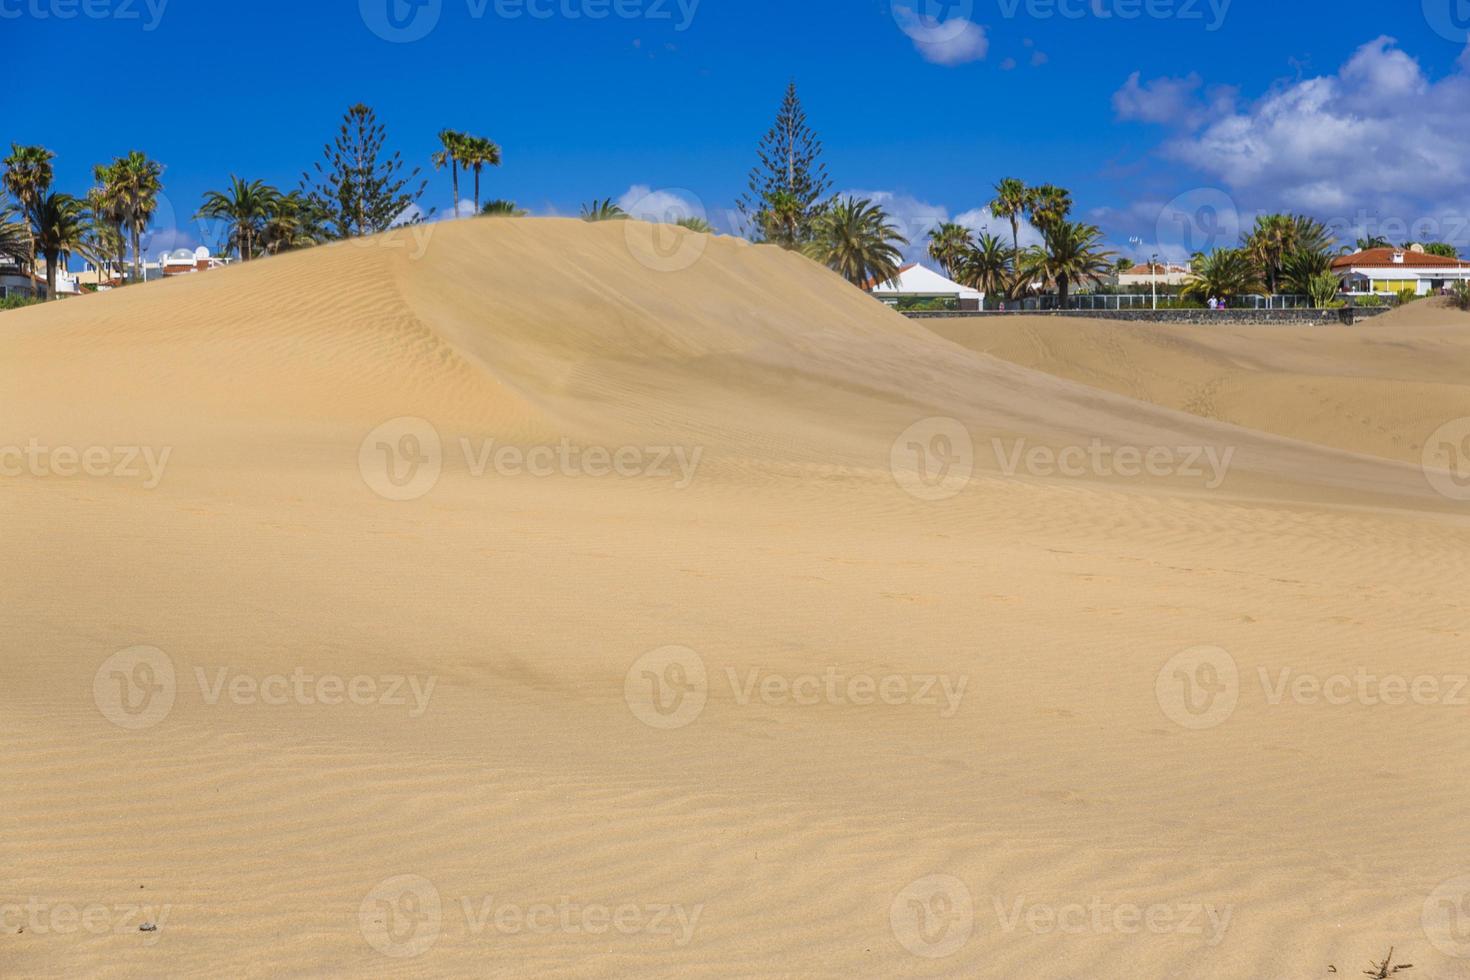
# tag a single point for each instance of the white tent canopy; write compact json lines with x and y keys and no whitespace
{"x":916,"y":281}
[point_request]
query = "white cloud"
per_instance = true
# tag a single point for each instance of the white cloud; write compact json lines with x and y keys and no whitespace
{"x":665,"y":205}
{"x":1379,"y":141}
{"x":1163,"y":100}
{"x":955,"y":41}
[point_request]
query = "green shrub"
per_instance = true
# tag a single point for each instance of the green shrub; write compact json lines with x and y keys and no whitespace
{"x":1324,"y":289}
{"x":1369,"y":300}
{"x":1460,"y":295}
{"x":17,"y":301}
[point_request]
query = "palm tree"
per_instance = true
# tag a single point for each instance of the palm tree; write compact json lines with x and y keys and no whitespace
{"x":695,"y":223}
{"x":855,"y":239}
{"x":60,"y":224}
{"x":290,"y":224}
{"x":604,"y":210}
{"x":1223,"y":273}
{"x":1269,"y":242}
{"x":987,"y":266}
{"x":136,"y":182}
{"x":1050,"y":206}
{"x":1301,"y":268}
{"x":1311,"y":235}
{"x":1012,"y":200}
{"x":453,"y":143}
{"x":105,"y":239}
{"x":15,"y":234}
{"x":107,"y":209}
{"x":1071,"y":254}
{"x":246,"y":206}
{"x":1373,"y":241}
{"x":28,"y":176}
{"x":476,"y":153}
{"x":949,"y":243}
{"x":504,"y":209}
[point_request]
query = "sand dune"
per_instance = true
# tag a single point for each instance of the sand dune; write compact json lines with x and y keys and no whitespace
{"x":526,"y":774}
{"x":1379,"y":387}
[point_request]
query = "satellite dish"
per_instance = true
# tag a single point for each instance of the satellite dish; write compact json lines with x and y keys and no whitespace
{"x":201,"y":253}
{"x":1416,"y":247}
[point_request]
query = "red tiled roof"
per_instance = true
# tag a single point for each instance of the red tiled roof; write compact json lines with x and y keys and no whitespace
{"x":1382,"y":258}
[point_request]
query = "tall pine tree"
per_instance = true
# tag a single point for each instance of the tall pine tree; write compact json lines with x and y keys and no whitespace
{"x":356,"y":189}
{"x":788,"y":185}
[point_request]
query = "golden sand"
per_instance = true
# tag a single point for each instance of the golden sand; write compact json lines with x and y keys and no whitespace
{"x":510,"y":598}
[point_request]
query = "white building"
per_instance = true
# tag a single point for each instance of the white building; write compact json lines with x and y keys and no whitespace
{"x":1154,"y":273}
{"x":919,"y":283}
{"x":182,"y":261}
{"x":1389,"y":271}
{"x":14,"y":281}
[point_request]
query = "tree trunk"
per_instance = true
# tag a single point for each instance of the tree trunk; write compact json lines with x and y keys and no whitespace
{"x":31,"y":256}
{"x":454,"y":170}
{"x":51,"y":276}
{"x":477,"y":190}
{"x":137,"y":253}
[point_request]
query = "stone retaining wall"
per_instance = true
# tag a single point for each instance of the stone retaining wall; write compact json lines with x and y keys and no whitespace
{"x":1234,"y":318}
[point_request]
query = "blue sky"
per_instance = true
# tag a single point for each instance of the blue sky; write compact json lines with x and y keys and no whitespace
{"x":1237,"y":106}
